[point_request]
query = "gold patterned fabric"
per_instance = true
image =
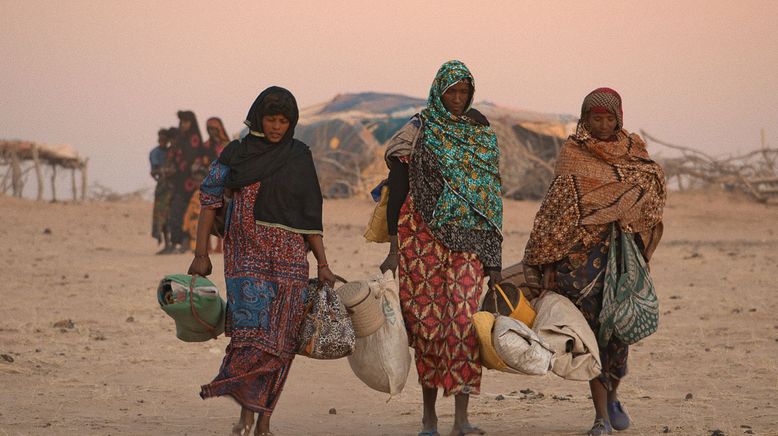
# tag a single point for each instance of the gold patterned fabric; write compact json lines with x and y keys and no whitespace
{"x":598,"y":182}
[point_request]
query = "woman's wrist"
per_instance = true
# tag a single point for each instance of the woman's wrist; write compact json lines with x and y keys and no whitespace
{"x":323,"y":265}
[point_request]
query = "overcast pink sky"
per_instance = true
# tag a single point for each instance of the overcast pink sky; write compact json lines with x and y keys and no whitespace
{"x":105,"y":75}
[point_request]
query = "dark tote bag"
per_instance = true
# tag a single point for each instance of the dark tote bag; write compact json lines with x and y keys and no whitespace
{"x":630,"y":309}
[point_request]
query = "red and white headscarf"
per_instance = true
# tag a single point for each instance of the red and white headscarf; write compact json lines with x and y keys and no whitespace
{"x":601,"y":100}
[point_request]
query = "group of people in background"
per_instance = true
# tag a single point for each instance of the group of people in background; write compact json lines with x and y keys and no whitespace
{"x":179,"y":163}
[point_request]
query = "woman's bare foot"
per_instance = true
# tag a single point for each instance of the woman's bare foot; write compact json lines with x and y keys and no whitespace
{"x":263,"y":426}
{"x":429,"y":420}
{"x":466,"y":429}
{"x":239,"y":429}
{"x":243,"y":426}
{"x":462,"y":425}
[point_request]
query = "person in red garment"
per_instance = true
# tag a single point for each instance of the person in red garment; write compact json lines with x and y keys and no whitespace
{"x":274,"y":216}
{"x":445,"y":217}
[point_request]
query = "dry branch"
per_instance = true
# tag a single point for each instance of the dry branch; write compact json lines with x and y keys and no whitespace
{"x":752,"y":172}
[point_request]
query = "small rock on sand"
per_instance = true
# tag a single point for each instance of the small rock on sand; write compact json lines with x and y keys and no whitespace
{"x":333,"y":411}
{"x":689,"y":396}
{"x":65,"y":324}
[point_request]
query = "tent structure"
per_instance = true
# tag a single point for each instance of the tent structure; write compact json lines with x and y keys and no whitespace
{"x":348,"y":134}
{"x":20,"y":158}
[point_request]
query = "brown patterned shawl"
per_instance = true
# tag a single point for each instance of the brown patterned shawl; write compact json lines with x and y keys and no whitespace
{"x":598,"y":182}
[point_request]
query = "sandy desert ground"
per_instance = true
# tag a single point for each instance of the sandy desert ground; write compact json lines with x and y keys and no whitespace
{"x":119,"y":370}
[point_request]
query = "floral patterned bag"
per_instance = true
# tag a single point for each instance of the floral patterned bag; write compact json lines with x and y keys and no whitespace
{"x":326,"y":332}
{"x":630,"y":309}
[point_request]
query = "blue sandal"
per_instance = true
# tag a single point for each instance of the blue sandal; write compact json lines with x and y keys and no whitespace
{"x":618,"y":415}
{"x":433,"y":432}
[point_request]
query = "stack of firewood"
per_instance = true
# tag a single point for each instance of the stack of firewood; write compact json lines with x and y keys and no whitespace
{"x":753,"y":173}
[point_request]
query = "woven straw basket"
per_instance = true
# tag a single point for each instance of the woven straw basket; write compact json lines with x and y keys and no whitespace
{"x":363,"y":306}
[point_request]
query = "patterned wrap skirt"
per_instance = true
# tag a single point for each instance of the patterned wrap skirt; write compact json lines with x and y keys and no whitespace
{"x":580,"y":276}
{"x":266,"y":270}
{"x":439,"y":293}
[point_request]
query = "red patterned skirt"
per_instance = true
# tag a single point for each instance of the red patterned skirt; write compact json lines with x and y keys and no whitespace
{"x":266,"y":272}
{"x":439,"y":293}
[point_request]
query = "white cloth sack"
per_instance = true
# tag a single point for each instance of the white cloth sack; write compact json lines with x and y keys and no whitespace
{"x":561,"y":325}
{"x":382,"y":360}
{"x":521,"y":348}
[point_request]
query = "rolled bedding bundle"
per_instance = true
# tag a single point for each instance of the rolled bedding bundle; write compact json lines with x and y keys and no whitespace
{"x":560,"y":324}
{"x":521,"y":348}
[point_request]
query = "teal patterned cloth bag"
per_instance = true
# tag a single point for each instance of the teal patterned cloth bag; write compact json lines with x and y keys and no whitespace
{"x":630,"y":309}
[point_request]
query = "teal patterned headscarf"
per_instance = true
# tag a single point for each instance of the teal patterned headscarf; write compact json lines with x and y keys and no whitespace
{"x":468,"y":158}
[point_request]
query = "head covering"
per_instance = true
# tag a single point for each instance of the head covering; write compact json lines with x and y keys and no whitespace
{"x":221,"y":135}
{"x":601,"y":100}
{"x":187,"y":145}
{"x":190,"y":116}
{"x":454,"y":172}
{"x":468,"y":158}
{"x":289,"y":195}
{"x":273,"y":101}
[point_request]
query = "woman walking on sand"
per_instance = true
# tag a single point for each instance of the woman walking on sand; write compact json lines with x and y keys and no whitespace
{"x":201,"y":159}
{"x":274,"y":216}
{"x":217,"y":140}
{"x":187,"y":147}
{"x":217,"y":135}
{"x":160,"y":230}
{"x":445,"y":220}
{"x":603,"y":176}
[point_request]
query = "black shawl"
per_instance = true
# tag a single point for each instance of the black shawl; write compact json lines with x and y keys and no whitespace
{"x":289,"y":195}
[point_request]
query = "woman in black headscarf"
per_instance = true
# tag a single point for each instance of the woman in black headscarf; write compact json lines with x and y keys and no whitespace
{"x":186,"y":151}
{"x":274,"y":216}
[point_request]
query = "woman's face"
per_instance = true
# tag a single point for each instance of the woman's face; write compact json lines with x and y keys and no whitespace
{"x":456,"y":97}
{"x":185,"y":125}
{"x":274,"y":127}
{"x":601,"y":125}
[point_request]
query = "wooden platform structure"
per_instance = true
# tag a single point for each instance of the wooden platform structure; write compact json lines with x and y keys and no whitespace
{"x":18,"y":159}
